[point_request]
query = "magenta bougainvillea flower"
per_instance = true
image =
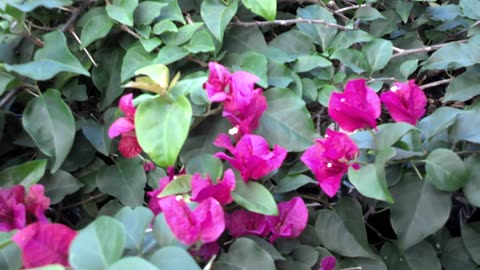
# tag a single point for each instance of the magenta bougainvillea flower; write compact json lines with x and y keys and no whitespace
{"x":357,"y":107}
{"x":148,"y":166}
{"x":242,"y":222}
{"x":328,"y":263}
{"x":248,"y":118}
{"x":405,"y":101}
{"x":203,"y":188}
{"x":205,"y":223}
{"x":206,"y":251}
{"x":18,"y":210}
{"x":251,"y":156}
{"x":44,"y":244}
{"x":329,"y":159}
{"x":218,"y":80}
{"x":125,"y":127}
{"x":291,"y":220}
{"x":162,"y":183}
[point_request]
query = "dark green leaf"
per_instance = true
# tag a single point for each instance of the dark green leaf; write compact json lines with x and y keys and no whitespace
{"x":107,"y":76}
{"x":419,"y":210}
{"x":286,"y":121}
{"x":306,"y":254}
{"x":122,"y":11}
{"x":241,"y":39}
{"x":293,"y":182}
{"x":171,"y":11}
{"x":96,"y":27}
{"x":445,"y":170}
{"x":26,"y":174}
{"x":342,"y":230}
{"x":351,"y":58}
{"x":205,"y":164}
{"x":379,"y":28}
{"x":265,"y":245}
{"x":200,"y":42}
{"x":135,"y":59}
{"x":162,"y":232}
{"x":50,"y":60}
{"x":217,"y":14}
{"x":254,"y":197}
{"x":10,"y":257}
{"x":50,"y":123}
{"x":147,"y":11}
{"x":320,"y":34}
{"x":309,"y":62}
{"x":462,"y":128}
{"x":29,"y":5}
{"x":162,"y":127}
{"x":378,"y":54}
{"x":455,"y":256}
{"x":439,"y":120}
{"x":6,"y":81}
{"x":345,"y":39}
{"x":455,"y":55}
{"x":472,"y":187}
{"x":135,"y":221}
{"x":471,"y":237}
{"x":368,"y":14}
{"x":389,"y":134}
{"x":464,"y":86}
{"x":125,"y":180}
{"x":408,"y":67}
{"x":420,"y":256}
{"x":173,"y":258}
{"x":294,"y":43}
{"x":59,"y":185}
{"x":245,"y":254}
{"x":363,"y":263}
{"x":170,"y":53}
{"x":98,"y":245}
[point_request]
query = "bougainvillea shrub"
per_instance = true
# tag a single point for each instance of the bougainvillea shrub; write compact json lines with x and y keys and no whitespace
{"x":239,"y":134}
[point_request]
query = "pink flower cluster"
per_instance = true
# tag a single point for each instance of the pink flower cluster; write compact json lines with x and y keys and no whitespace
{"x":42,"y":243}
{"x":358,"y":107}
{"x":243,"y":104}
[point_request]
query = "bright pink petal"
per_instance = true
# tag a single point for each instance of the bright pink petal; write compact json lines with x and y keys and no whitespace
{"x":328,"y":263}
{"x":126,"y":105}
{"x":128,"y":146}
{"x":183,"y":223}
{"x":291,"y":221}
{"x":218,"y":79}
{"x":37,"y":203}
{"x":44,"y":244}
{"x":223,"y":141}
{"x":209,"y":214}
{"x":242,"y":222}
{"x":205,"y":188}
{"x":406,"y":102}
{"x":207,"y":250}
{"x":12,"y":209}
{"x":120,"y":126}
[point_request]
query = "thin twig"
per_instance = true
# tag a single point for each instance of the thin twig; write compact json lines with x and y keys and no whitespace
{"x":9,"y":96}
{"x":91,"y":198}
{"x":199,"y":62}
{"x":74,"y":16}
{"x":290,"y":22}
{"x":403,"y":52}
{"x":133,"y":34}
{"x":349,"y":8}
{"x":84,"y":49}
{"x":437,"y":83}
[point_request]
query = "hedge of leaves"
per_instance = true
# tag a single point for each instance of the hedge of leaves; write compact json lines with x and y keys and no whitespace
{"x":239,"y":134}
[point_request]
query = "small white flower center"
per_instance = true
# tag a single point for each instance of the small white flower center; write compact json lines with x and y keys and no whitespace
{"x":329,"y":165}
{"x":179,"y":198}
{"x":342,"y":100}
{"x":233,"y":131}
{"x":394,"y":88}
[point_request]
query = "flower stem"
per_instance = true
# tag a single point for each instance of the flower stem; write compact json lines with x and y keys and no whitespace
{"x":417,"y":171}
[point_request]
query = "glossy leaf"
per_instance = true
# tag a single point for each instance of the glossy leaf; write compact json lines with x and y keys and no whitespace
{"x":162,"y":127}
{"x":179,"y":185}
{"x":96,"y":27}
{"x":26,"y":174}
{"x":378,"y":54}
{"x":254,"y":197}
{"x":50,"y":123}
{"x":445,"y":170}
{"x":122,"y":11}
{"x":265,"y":8}
{"x":320,"y":34}
{"x":217,"y":14}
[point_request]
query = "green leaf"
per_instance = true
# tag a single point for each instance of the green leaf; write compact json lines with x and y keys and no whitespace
{"x":10,"y":257}
{"x":135,"y":221}
{"x":200,"y":42}
{"x":455,"y":256}
{"x":173,"y":258}
{"x":129,"y":263}
{"x":379,"y":28}
{"x":150,"y":44}
{"x":162,"y":232}
{"x":320,"y":34}
{"x":445,"y":170}
{"x":50,"y":123}
{"x":96,"y":27}
{"x":97,"y":134}
{"x":267,"y":246}
{"x":290,"y":183}
{"x":147,"y":11}
{"x":122,"y":11}
{"x":29,"y":5}
{"x":439,"y":120}
{"x":98,"y":245}
{"x":184,"y":34}
{"x":181,"y":184}
{"x":403,"y":10}
{"x":265,"y":8}
{"x":307,"y":255}
{"x":455,"y":55}
{"x":389,"y":134}
{"x":286,"y":121}
{"x":368,"y":14}
{"x":351,"y":58}
{"x":464,"y":86}
{"x":106,"y":77}
{"x":135,"y":58}
{"x":171,"y":11}
{"x":462,"y":128}
{"x":6,"y":82}
{"x":378,"y":54}
{"x":472,"y":187}
{"x":125,"y":180}
{"x":408,"y":67}
{"x":240,"y":39}
{"x":162,"y":127}
{"x":169,"y":54}
{"x":346,"y":233}
{"x":50,"y":60}
{"x":419,"y":210}
{"x":255,"y":63}
{"x":26,"y":174}
{"x":216,"y":14}
{"x":370,"y":180}
{"x":309,"y":62}
{"x":295,"y":43}
{"x":345,"y":39}
{"x":205,"y":164}
{"x":363,"y":263}
{"x":471,"y":238}
{"x":164,"y":26}
{"x":244,"y":253}
{"x":471,"y":9}
{"x":59,"y":185}
{"x":254,"y":197}
{"x":420,"y":256}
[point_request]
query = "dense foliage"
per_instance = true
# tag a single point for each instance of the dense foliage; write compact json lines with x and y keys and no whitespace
{"x":239,"y":134}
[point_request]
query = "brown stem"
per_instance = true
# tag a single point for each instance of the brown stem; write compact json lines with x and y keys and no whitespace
{"x":290,"y":22}
{"x":74,"y":16}
{"x":437,"y":83}
{"x":402,"y":52}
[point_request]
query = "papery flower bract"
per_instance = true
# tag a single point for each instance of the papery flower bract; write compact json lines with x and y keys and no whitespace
{"x":205,"y":188}
{"x":242,"y":222}
{"x":247,"y":119}
{"x":291,"y":220}
{"x":44,"y":244}
{"x":328,"y":159}
{"x":218,"y":80}
{"x":205,"y":223}
{"x":357,"y":107}
{"x":405,"y":101}
{"x":162,"y":183}
{"x":328,"y":263}
{"x":17,"y":209}
{"x":125,"y":127}
{"x":251,"y":155}
{"x":148,"y":166}
{"x":242,"y":90}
